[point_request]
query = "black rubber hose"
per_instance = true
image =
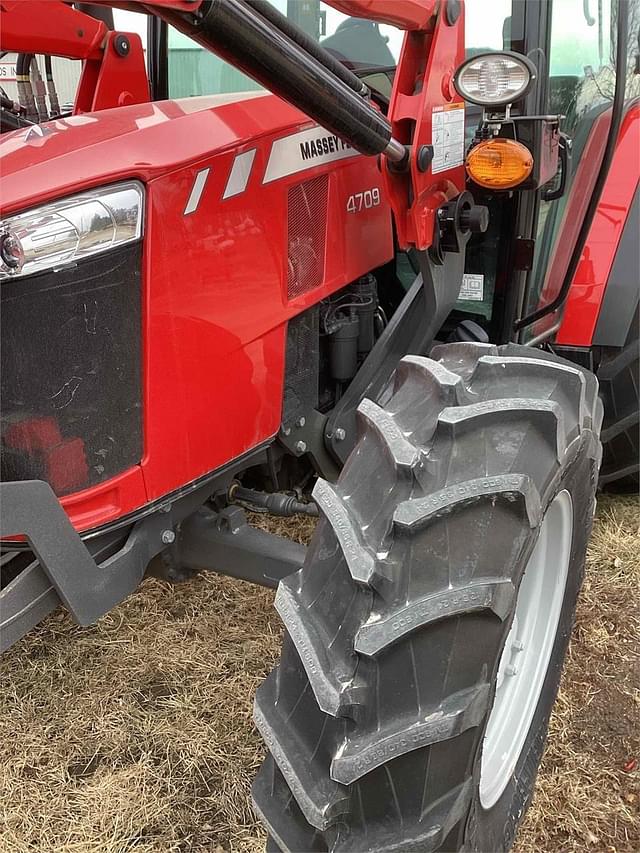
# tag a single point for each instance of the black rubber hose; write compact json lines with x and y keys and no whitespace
{"x":25,"y":89}
{"x":51,"y":86}
{"x":617,"y":112}
{"x":40,"y":92}
{"x":12,"y":121}
{"x":8,"y":104}
{"x":277,"y":503}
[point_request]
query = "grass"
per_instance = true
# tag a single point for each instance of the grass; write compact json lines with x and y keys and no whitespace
{"x":136,"y":734}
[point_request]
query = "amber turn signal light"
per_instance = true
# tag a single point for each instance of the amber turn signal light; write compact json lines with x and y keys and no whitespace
{"x":499,"y":164}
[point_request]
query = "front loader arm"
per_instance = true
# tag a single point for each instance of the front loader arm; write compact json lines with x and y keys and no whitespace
{"x":60,"y":30}
{"x":113,"y":69}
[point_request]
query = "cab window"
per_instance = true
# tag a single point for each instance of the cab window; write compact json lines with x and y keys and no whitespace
{"x":582,"y":80}
{"x":487,"y":25}
{"x":354,"y":41}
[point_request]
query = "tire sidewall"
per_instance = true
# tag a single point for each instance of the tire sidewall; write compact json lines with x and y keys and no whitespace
{"x":494,"y":829}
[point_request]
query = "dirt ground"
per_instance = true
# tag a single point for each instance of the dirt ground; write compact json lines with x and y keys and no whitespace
{"x":136,"y":734}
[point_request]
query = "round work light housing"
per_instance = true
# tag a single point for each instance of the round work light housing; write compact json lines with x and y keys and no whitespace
{"x":495,"y":79}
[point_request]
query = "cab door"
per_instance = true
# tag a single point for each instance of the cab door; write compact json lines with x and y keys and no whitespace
{"x":581,"y":85}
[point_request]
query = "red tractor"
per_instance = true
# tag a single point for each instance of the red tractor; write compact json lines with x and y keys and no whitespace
{"x":378,"y":295}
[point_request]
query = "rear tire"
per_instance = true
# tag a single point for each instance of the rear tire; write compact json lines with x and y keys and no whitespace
{"x":375,"y":717}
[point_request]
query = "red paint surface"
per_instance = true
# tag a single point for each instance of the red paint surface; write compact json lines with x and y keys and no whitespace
{"x":590,"y":281}
{"x":60,"y":31}
{"x":215,"y":301}
{"x":405,"y":14}
{"x":113,"y":80}
{"x":215,"y":305}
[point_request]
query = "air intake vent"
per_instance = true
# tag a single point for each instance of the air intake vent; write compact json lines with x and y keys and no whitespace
{"x":307,"y":235}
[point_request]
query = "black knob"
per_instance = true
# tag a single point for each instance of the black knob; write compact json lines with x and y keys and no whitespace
{"x":425,"y":156}
{"x":474,"y":218}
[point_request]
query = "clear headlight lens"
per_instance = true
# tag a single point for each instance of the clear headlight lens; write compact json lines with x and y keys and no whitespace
{"x":73,"y":228}
{"x":494,"y":79}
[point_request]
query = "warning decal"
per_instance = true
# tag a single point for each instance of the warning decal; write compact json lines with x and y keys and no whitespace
{"x":447,"y":130}
{"x":472,"y":288}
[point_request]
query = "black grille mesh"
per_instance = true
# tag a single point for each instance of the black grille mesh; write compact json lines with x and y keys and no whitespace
{"x":302,"y":366}
{"x":306,"y":235}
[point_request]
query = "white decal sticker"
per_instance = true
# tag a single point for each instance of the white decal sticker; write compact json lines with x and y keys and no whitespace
{"x":304,"y":150}
{"x":472,"y":288}
{"x":196,"y":191}
{"x":447,"y":137}
{"x":240,"y":173}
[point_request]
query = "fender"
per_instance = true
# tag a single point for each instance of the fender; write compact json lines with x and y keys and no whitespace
{"x":604,"y":291}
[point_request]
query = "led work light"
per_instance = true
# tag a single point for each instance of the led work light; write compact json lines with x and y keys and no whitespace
{"x":494,"y":79}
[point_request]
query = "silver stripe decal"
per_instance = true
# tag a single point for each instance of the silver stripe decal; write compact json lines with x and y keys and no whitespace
{"x":196,"y":193}
{"x":239,"y":175}
{"x":304,"y":150}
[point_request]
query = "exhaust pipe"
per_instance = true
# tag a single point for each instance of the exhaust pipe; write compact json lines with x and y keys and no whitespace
{"x":239,"y":34}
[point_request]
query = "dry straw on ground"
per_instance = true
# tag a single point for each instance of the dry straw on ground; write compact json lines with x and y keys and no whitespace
{"x":136,"y":734}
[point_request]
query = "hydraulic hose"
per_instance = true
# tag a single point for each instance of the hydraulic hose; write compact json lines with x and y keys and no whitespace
{"x":277,"y":503}
{"x":40,"y":92}
{"x":51,"y":87}
{"x":100,"y":13}
{"x":9,"y":120}
{"x":25,"y":90}
{"x":8,"y":104}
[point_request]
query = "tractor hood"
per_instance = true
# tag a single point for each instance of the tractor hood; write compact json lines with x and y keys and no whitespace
{"x":141,"y":141}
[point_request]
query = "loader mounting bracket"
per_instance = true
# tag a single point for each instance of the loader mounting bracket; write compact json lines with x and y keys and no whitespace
{"x":226,"y":543}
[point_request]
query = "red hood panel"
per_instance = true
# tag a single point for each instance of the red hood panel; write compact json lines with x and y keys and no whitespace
{"x":143,"y":140}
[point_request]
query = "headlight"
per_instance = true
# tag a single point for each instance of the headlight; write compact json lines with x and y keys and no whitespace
{"x":73,"y":228}
{"x":494,"y":79}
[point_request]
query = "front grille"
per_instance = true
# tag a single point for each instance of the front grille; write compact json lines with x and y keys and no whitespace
{"x":306,"y":235}
{"x":71,"y":372}
{"x":301,"y":366}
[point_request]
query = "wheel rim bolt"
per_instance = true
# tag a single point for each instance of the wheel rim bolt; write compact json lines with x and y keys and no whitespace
{"x":517,"y":646}
{"x":511,"y":670}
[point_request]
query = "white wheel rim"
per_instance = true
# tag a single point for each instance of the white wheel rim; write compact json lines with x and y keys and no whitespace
{"x":527,"y":651}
